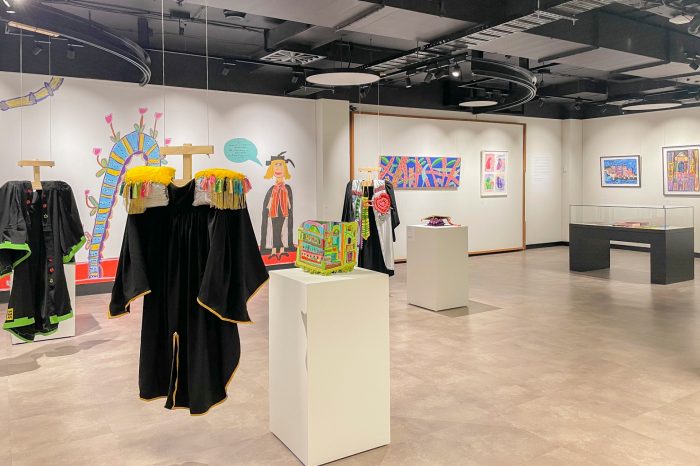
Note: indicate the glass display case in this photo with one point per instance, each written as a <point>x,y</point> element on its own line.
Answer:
<point>631,216</point>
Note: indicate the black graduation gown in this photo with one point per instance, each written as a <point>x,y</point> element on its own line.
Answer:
<point>370,254</point>
<point>39,232</point>
<point>197,267</point>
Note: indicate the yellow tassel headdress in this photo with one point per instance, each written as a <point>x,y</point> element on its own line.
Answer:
<point>145,187</point>
<point>221,188</point>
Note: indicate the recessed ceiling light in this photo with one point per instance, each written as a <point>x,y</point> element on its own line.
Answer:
<point>478,103</point>
<point>348,77</point>
<point>234,15</point>
<point>681,19</point>
<point>662,105</point>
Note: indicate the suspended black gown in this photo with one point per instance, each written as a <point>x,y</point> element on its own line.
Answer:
<point>196,268</point>
<point>370,254</point>
<point>39,232</point>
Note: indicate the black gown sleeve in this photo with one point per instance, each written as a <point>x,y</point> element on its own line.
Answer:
<point>131,280</point>
<point>234,269</point>
<point>71,233</point>
<point>395,222</point>
<point>13,229</point>
<point>348,215</point>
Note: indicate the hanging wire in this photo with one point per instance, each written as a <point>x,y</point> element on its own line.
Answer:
<point>21,93</point>
<point>206,54</point>
<point>162,55</point>
<point>50,110</point>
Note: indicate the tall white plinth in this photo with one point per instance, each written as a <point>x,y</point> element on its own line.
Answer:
<point>437,266</point>
<point>329,363</point>
<point>66,328</point>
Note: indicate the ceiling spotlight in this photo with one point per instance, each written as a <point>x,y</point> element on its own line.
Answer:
<point>364,91</point>
<point>577,105</point>
<point>604,109</point>
<point>456,71</point>
<point>234,15</point>
<point>225,70</point>
<point>408,82</point>
<point>181,28</point>
<point>429,77</point>
<point>37,49</point>
<point>540,102</point>
<point>441,73</point>
<point>70,53</point>
<point>694,64</point>
<point>697,96</point>
<point>683,18</point>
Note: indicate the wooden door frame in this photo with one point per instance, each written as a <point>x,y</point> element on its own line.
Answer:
<point>465,120</point>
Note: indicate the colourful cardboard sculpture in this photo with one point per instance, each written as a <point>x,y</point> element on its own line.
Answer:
<point>327,247</point>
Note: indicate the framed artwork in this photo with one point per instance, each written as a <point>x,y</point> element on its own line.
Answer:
<point>681,170</point>
<point>620,172</point>
<point>417,172</point>
<point>494,173</point>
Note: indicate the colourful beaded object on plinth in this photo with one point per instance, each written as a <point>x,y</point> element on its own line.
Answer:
<point>327,247</point>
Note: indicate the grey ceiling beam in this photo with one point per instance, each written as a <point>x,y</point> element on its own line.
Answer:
<point>473,11</point>
<point>284,32</point>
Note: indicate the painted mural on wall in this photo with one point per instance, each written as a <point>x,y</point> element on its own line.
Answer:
<point>111,169</point>
<point>277,230</point>
<point>681,175</point>
<point>622,171</point>
<point>34,97</point>
<point>494,173</point>
<point>411,172</point>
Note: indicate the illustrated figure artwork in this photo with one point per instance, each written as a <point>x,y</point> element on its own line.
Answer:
<point>620,171</point>
<point>681,170</point>
<point>494,173</point>
<point>32,98</point>
<point>409,172</point>
<point>276,232</point>
<point>112,169</point>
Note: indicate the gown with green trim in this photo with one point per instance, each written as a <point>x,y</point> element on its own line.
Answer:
<point>39,232</point>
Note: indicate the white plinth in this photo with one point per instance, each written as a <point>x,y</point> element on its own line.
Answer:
<point>437,266</point>
<point>66,328</point>
<point>329,363</point>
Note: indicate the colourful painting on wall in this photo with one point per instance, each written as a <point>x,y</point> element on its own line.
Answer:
<point>413,172</point>
<point>620,172</point>
<point>494,173</point>
<point>681,170</point>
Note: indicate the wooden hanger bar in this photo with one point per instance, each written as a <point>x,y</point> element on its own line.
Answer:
<point>187,151</point>
<point>368,171</point>
<point>36,168</point>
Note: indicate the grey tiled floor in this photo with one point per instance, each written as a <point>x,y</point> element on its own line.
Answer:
<point>546,367</point>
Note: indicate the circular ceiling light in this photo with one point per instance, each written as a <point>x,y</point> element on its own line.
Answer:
<point>478,103</point>
<point>642,106</point>
<point>347,77</point>
<point>681,19</point>
<point>235,15</point>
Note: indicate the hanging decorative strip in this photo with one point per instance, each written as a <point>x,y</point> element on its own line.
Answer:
<point>221,189</point>
<point>145,187</point>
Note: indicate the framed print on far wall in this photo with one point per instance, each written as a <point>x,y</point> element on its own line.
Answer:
<point>620,172</point>
<point>681,170</point>
<point>494,173</point>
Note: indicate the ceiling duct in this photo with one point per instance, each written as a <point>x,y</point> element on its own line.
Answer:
<point>461,42</point>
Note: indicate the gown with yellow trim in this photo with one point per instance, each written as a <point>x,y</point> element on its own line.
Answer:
<point>196,267</point>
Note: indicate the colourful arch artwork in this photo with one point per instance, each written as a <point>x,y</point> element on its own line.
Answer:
<point>32,98</point>
<point>136,143</point>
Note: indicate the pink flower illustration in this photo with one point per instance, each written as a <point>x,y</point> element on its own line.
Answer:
<point>158,115</point>
<point>167,141</point>
<point>96,151</point>
<point>142,110</point>
<point>108,119</point>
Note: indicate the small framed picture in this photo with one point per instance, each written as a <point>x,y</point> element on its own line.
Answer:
<point>681,171</point>
<point>620,172</point>
<point>494,173</point>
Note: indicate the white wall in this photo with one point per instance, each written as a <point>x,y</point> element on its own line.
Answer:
<point>645,135</point>
<point>494,222</point>
<point>68,126</point>
<point>543,180</point>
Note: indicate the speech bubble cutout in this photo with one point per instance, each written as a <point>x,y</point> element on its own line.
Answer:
<point>239,150</point>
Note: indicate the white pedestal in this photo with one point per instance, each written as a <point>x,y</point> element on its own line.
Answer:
<point>66,328</point>
<point>329,363</point>
<point>437,266</point>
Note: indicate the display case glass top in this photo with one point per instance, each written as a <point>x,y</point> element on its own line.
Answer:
<point>632,216</point>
